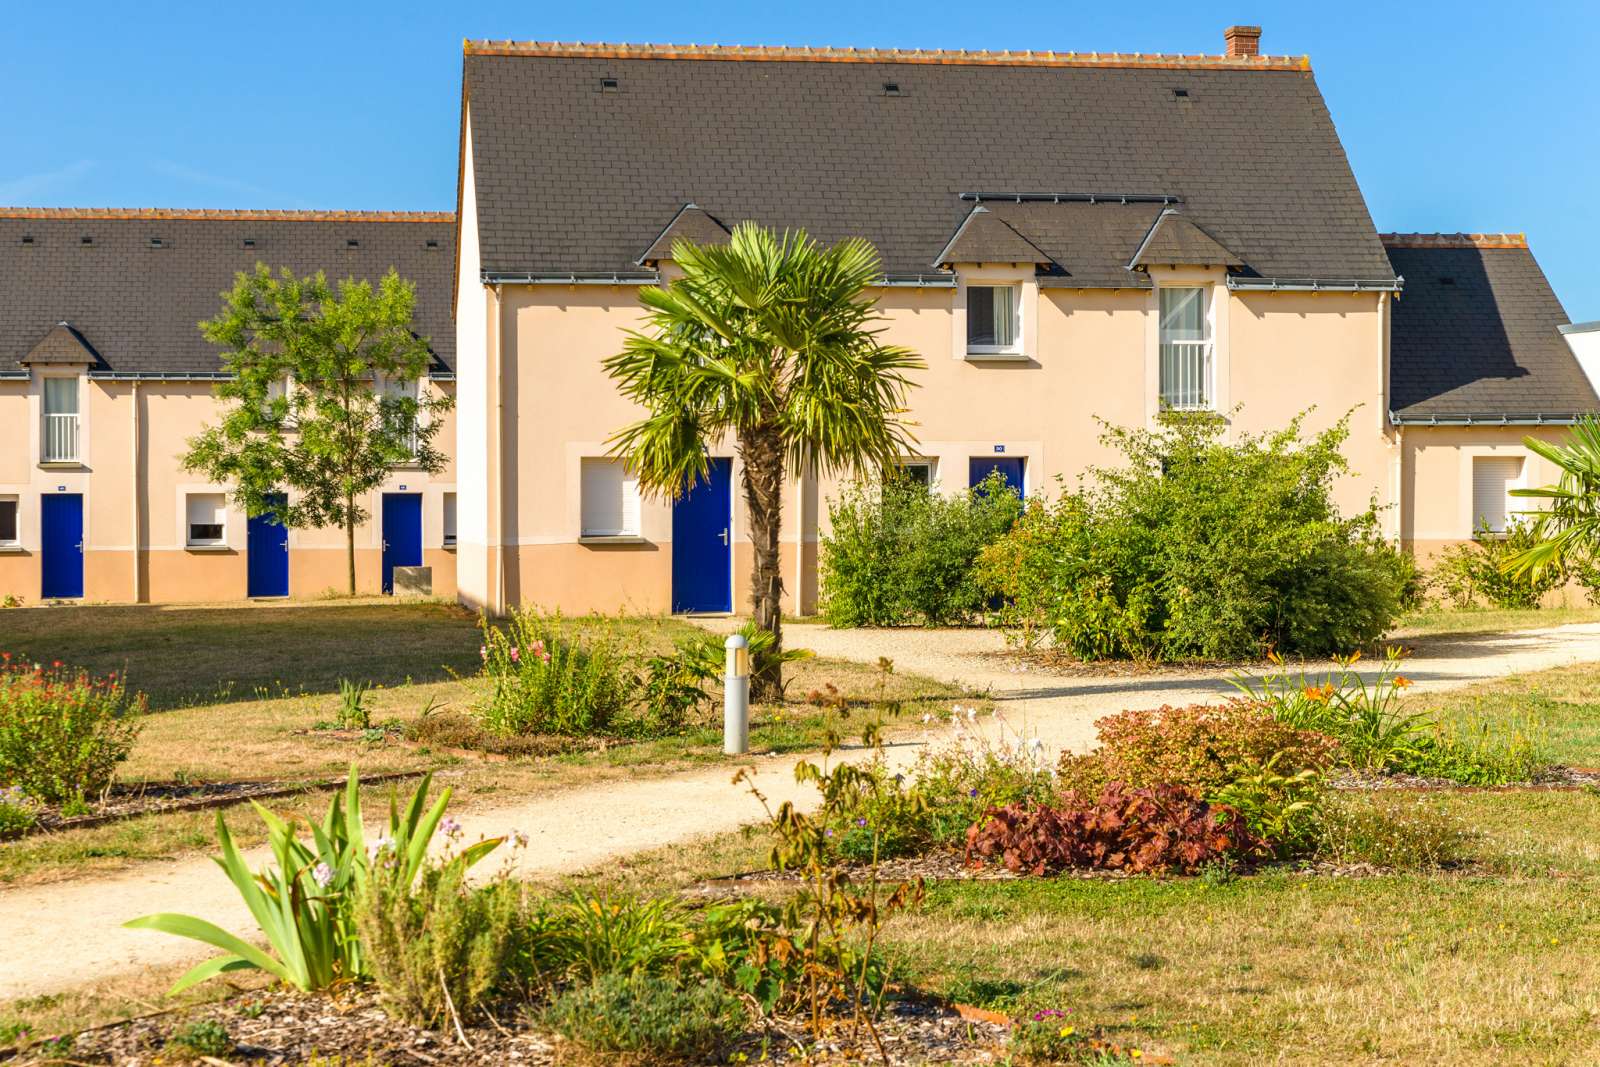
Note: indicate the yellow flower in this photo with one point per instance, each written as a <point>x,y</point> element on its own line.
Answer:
<point>1136,1054</point>
<point>1067,1031</point>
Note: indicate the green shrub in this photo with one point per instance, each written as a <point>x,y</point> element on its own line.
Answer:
<point>451,729</point>
<point>1197,547</point>
<point>745,945</point>
<point>19,812</point>
<point>1406,834</point>
<point>580,937</point>
<point>1482,750</point>
<point>63,732</point>
<point>649,1014</point>
<point>975,770</point>
<point>203,1038</point>
<point>1472,574</point>
<point>545,681</point>
<point>1202,747</point>
<point>900,554</point>
<point>706,655</point>
<point>1283,811</point>
<point>437,947</point>
<point>1048,1037</point>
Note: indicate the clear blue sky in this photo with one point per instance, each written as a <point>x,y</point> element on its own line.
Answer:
<point>1460,116</point>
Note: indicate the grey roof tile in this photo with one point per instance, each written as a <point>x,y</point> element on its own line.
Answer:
<point>1476,331</point>
<point>137,305</point>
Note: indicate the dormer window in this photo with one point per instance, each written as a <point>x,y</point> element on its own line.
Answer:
<point>992,318</point>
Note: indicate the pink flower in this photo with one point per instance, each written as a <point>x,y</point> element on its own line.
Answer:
<point>483,651</point>
<point>515,656</point>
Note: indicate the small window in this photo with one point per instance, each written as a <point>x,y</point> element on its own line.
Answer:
<point>1493,478</point>
<point>449,520</point>
<point>991,318</point>
<point>9,535</point>
<point>609,85</point>
<point>249,242</point>
<point>206,518</point>
<point>61,396</point>
<point>610,499</point>
<point>917,472</point>
<point>59,435</point>
<point>157,242</point>
<point>86,240</point>
<point>1185,349</point>
<point>351,242</point>
<point>27,238</point>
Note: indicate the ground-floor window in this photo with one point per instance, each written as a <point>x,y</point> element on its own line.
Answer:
<point>1493,478</point>
<point>449,520</point>
<point>207,514</point>
<point>917,471</point>
<point>9,525</point>
<point>610,499</point>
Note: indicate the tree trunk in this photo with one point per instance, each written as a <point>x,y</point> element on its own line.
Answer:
<point>762,452</point>
<point>350,539</point>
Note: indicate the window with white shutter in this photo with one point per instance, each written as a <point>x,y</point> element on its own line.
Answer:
<point>610,499</point>
<point>1493,478</point>
<point>206,514</point>
<point>449,520</point>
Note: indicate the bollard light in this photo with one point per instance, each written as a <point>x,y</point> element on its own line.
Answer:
<point>736,697</point>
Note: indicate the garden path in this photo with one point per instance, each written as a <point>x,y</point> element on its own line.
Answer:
<point>56,937</point>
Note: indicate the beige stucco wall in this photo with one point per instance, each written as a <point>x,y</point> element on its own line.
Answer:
<point>134,491</point>
<point>1089,355</point>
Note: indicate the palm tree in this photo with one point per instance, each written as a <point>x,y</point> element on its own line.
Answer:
<point>1568,531</point>
<point>774,341</point>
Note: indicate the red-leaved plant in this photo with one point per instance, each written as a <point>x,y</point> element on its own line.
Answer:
<point>1159,828</point>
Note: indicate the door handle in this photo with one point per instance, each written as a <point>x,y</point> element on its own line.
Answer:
<point>386,546</point>
<point>724,535</point>
<point>79,547</point>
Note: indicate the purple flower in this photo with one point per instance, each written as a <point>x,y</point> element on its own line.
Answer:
<point>322,874</point>
<point>449,827</point>
<point>972,792</point>
<point>861,822</point>
<point>1048,1013</point>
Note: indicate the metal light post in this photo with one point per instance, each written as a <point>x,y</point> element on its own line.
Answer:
<point>736,697</point>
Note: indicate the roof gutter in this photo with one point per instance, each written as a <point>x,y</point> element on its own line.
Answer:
<point>1567,419</point>
<point>1316,285</point>
<point>1074,198</point>
<point>942,280</point>
<point>491,277</point>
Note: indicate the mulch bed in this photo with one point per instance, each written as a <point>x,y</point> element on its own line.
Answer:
<point>1554,779</point>
<point>133,799</point>
<point>285,1028</point>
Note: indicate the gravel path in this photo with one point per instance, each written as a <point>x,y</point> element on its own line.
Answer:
<point>63,936</point>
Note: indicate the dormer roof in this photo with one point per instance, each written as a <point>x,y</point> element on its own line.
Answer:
<point>61,346</point>
<point>692,223</point>
<point>1176,240</point>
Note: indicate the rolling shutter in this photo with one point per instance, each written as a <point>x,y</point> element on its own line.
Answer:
<point>610,499</point>
<point>1492,480</point>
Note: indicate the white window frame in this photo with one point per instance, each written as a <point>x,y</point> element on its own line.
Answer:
<point>1207,347</point>
<point>631,504</point>
<point>930,465</point>
<point>75,433</point>
<point>189,540</point>
<point>405,387</point>
<point>1510,512</point>
<point>448,504</point>
<point>1015,289</point>
<point>15,541</point>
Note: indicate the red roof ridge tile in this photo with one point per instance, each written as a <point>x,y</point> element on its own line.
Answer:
<point>224,215</point>
<point>784,53</point>
<point>1454,240</point>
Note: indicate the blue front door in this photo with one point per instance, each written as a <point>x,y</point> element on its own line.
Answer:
<point>702,553</point>
<point>267,545</point>
<point>1010,469</point>
<point>61,549</point>
<point>402,534</point>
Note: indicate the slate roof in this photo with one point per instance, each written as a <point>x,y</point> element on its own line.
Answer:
<point>573,175</point>
<point>136,305</point>
<point>1476,333</point>
<point>1176,240</point>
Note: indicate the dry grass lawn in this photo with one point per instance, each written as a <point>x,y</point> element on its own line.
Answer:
<point>238,691</point>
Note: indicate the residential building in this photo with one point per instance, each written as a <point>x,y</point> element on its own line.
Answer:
<point>104,378</point>
<point>1070,241</point>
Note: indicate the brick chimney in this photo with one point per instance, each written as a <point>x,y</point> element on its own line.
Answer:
<point>1243,40</point>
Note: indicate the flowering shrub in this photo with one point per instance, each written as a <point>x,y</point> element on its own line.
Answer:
<point>1161,828</point>
<point>1403,834</point>
<point>545,682</point>
<point>62,731</point>
<point>984,764</point>
<point>1200,746</point>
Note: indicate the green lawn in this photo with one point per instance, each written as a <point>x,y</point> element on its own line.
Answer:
<point>1434,621</point>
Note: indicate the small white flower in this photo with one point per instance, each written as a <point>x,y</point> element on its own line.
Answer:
<point>322,874</point>
<point>519,839</point>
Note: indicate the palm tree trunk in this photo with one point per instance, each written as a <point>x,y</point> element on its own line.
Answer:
<point>762,452</point>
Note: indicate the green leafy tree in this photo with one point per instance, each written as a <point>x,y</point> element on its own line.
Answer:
<point>323,399</point>
<point>772,340</point>
<point>1567,533</point>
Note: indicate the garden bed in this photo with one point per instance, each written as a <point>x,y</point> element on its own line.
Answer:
<point>134,799</point>
<point>289,1028</point>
